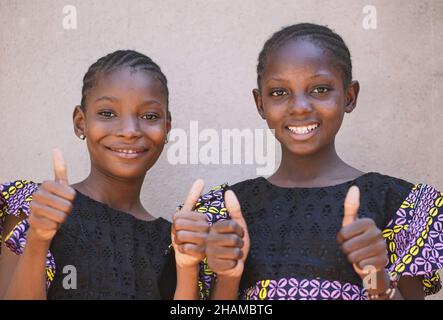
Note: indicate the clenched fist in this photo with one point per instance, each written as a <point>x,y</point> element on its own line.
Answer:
<point>228,242</point>
<point>189,230</point>
<point>52,202</point>
<point>360,239</point>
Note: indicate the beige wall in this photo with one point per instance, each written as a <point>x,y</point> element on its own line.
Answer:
<point>208,50</point>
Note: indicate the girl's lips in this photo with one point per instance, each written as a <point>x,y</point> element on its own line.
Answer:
<point>303,134</point>
<point>128,153</point>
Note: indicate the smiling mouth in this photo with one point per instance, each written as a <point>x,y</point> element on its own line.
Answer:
<point>302,130</point>
<point>128,153</point>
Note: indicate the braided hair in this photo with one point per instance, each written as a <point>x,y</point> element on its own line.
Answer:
<point>118,59</point>
<point>320,35</point>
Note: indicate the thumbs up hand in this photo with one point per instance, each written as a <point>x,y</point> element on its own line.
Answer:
<point>189,230</point>
<point>52,202</point>
<point>228,242</point>
<point>360,239</point>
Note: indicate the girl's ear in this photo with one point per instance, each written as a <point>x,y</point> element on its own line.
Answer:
<point>351,96</point>
<point>78,119</point>
<point>259,102</point>
<point>168,122</point>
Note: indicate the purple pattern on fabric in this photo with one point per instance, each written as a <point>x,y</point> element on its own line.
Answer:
<point>15,198</point>
<point>303,289</point>
<point>405,231</point>
<point>416,233</point>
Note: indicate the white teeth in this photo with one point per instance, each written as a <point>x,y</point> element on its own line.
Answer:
<point>303,130</point>
<point>125,151</point>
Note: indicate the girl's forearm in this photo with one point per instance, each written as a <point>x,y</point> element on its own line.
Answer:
<point>226,288</point>
<point>187,283</point>
<point>28,280</point>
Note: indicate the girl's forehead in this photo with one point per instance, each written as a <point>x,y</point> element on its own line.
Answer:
<point>124,80</point>
<point>127,84</point>
<point>126,77</point>
<point>300,56</point>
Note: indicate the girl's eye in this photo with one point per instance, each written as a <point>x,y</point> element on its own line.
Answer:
<point>150,116</point>
<point>278,93</point>
<point>107,114</point>
<point>320,90</point>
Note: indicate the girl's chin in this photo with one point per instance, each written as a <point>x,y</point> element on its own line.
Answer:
<point>127,172</point>
<point>300,149</point>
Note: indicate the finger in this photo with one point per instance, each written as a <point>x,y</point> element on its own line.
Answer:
<point>227,227</point>
<point>188,225</point>
<point>219,265</point>
<point>189,215</point>
<point>192,249</point>
<point>378,248</point>
<point>60,172</point>
<point>173,231</point>
<point>355,229</point>
<point>190,237</point>
<point>351,205</point>
<point>46,198</point>
<point>233,207</point>
<point>38,221</point>
<point>363,240</point>
<point>378,263</point>
<point>224,240</point>
<point>40,210</point>
<point>61,190</point>
<point>193,195</point>
<point>227,253</point>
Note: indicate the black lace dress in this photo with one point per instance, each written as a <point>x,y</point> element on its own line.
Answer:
<point>294,253</point>
<point>102,253</point>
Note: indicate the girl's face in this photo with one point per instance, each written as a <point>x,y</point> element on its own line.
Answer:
<point>125,123</point>
<point>302,97</point>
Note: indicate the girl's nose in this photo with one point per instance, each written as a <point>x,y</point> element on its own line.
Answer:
<point>129,127</point>
<point>300,104</point>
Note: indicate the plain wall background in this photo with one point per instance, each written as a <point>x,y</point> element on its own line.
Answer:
<point>208,49</point>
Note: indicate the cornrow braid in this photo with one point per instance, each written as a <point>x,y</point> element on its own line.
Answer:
<point>122,58</point>
<point>320,35</point>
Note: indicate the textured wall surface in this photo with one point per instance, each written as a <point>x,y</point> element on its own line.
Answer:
<point>208,50</point>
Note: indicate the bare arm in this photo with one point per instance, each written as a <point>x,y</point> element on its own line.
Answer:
<point>226,288</point>
<point>23,276</point>
<point>187,278</point>
<point>51,205</point>
<point>8,259</point>
<point>28,279</point>
<point>410,288</point>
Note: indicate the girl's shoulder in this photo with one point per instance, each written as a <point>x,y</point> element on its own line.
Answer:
<point>380,180</point>
<point>398,193</point>
<point>384,188</point>
<point>15,197</point>
<point>413,233</point>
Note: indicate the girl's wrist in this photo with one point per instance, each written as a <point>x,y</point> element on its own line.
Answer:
<point>34,241</point>
<point>228,277</point>
<point>188,269</point>
<point>385,288</point>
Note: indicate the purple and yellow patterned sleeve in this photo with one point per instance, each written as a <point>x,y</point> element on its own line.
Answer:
<point>15,199</point>
<point>212,205</point>
<point>414,237</point>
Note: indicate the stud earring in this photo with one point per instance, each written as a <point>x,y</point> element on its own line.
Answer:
<point>82,136</point>
<point>166,140</point>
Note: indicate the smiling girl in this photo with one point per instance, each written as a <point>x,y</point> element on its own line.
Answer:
<point>288,238</point>
<point>97,229</point>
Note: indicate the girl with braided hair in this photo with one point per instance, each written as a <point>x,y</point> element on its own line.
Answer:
<point>304,233</point>
<point>94,239</point>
